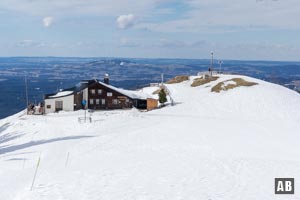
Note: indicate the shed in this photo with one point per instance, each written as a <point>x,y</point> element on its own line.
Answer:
<point>151,103</point>
<point>63,100</point>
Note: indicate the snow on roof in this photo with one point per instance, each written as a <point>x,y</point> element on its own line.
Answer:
<point>82,85</point>
<point>130,93</point>
<point>150,90</point>
<point>61,94</point>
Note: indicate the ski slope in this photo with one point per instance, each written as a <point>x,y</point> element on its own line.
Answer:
<point>228,145</point>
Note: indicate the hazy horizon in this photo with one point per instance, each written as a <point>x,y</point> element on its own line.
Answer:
<point>150,58</point>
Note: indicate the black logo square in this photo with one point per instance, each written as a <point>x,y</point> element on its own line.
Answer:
<point>284,186</point>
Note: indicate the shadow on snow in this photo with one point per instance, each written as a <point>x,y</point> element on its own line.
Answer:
<point>13,148</point>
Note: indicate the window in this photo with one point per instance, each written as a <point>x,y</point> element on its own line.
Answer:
<point>109,94</point>
<point>115,102</point>
<point>91,101</point>
<point>99,91</point>
<point>48,106</point>
<point>103,101</point>
<point>93,91</point>
<point>97,101</point>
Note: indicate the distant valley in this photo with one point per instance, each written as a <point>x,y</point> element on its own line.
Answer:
<point>49,74</point>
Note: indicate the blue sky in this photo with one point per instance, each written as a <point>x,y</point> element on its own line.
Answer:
<point>233,29</point>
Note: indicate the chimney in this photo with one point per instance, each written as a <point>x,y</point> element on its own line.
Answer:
<point>106,79</point>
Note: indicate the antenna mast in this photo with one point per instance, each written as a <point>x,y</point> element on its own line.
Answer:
<point>26,93</point>
<point>220,63</point>
<point>211,62</point>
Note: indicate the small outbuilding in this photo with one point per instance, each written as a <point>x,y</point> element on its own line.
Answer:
<point>152,103</point>
<point>63,100</point>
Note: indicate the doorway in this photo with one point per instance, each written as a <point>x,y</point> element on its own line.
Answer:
<point>58,106</point>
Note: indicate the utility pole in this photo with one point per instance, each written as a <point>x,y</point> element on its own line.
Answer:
<point>162,78</point>
<point>26,93</point>
<point>211,62</point>
<point>220,63</point>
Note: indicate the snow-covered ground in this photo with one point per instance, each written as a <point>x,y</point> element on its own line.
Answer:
<point>228,145</point>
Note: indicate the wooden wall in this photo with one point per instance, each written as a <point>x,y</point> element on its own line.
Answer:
<point>151,104</point>
<point>110,101</point>
<point>78,97</point>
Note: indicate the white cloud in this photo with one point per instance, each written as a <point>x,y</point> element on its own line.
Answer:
<point>126,21</point>
<point>47,21</point>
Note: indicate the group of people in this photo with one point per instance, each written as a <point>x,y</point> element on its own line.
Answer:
<point>33,109</point>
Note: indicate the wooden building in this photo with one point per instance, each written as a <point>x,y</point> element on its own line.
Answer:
<point>151,103</point>
<point>98,96</point>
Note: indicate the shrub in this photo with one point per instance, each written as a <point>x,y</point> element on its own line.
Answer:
<point>202,81</point>
<point>238,82</point>
<point>162,96</point>
<point>178,79</point>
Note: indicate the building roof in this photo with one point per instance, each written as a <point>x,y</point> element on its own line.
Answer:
<point>70,91</point>
<point>129,93</point>
<point>86,83</point>
<point>62,94</point>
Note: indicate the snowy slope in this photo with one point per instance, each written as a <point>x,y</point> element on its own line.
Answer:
<point>228,145</point>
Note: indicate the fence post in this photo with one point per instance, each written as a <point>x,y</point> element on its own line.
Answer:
<point>36,169</point>
<point>67,159</point>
